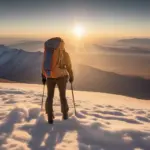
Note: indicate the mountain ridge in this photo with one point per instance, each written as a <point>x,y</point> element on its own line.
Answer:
<point>138,41</point>
<point>25,67</point>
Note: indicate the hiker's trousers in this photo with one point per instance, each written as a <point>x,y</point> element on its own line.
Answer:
<point>61,82</point>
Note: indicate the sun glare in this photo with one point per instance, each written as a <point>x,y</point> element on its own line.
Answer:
<point>78,30</point>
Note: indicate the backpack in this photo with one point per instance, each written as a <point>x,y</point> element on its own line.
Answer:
<point>49,47</point>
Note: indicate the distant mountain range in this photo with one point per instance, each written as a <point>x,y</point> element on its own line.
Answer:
<point>31,46</point>
<point>34,46</point>
<point>136,41</point>
<point>22,66</point>
<point>126,46</point>
<point>122,49</point>
<point>133,46</point>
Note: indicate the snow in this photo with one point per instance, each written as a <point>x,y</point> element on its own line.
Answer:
<point>103,121</point>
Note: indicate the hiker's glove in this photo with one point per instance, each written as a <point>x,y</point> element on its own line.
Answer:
<point>43,79</point>
<point>71,79</point>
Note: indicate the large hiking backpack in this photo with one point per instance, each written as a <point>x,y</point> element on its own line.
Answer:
<point>49,47</point>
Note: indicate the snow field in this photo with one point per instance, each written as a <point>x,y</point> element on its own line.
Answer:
<point>103,121</point>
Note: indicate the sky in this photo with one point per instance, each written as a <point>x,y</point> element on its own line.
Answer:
<point>98,18</point>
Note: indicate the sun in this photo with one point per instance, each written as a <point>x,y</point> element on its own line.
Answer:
<point>78,30</point>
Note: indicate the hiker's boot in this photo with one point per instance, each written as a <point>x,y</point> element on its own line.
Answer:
<point>65,116</point>
<point>50,118</point>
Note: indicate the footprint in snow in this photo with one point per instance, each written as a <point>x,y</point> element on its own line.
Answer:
<point>100,106</point>
<point>115,113</point>
<point>141,118</point>
<point>140,112</point>
<point>10,101</point>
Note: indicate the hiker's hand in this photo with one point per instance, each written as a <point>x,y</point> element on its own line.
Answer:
<point>43,81</point>
<point>71,79</point>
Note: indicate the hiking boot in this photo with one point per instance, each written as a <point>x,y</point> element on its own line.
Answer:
<point>65,116</point>
<point>50,118</point>
<point>50,121</point>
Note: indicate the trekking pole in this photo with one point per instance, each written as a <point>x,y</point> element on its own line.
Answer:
<point>73,100</point>
<point>42,97</point>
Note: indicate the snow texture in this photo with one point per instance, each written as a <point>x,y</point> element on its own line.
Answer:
<point>103,121</point>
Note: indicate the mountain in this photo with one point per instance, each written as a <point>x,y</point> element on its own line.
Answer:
<point>22,66</point>
<point>31,46</point>
<point>126,46</point>
<point>136,41</point>
<point>34,46</point>
<point>92,79</point>
<point>121,49</point>
<point>19,65</point>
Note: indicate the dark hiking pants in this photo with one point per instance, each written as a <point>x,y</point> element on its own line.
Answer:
<point>61,83</point>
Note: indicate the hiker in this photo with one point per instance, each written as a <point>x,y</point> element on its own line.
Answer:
<point>56,70</point>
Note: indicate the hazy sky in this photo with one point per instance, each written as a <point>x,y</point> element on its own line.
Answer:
<point>101,18</point>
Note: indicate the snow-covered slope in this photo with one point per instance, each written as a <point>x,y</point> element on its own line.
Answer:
<point>19,65</point>
<point>103,122</point>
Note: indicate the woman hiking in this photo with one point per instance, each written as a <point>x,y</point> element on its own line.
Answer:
<point>56,70</point>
